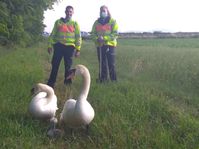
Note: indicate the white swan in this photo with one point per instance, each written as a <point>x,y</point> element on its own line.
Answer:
<point>78,113</point>
<point>44,103</point>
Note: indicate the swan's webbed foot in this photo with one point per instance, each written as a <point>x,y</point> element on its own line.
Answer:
<point>53,123</point>
<point>52,132</point>
<point>69,131</point>
<point>87,129</point>
<point>72,132</point>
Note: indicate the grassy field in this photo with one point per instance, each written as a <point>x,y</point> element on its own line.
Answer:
<point>154,104</point>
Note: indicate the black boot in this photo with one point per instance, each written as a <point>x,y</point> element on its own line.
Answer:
<point>67,81</point>
<point>51,84</point>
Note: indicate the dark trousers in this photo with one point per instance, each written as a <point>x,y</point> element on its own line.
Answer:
<point>106,58</point>
<point>60,51</point>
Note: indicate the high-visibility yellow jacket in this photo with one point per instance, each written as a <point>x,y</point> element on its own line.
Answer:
<point>109,31</point>
<point>67,33</point>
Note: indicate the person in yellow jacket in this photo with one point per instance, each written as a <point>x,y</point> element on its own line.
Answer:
<point>65,42</point>
<point>104,33</point>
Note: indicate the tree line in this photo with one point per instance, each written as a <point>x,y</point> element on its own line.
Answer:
<point>21,21</point>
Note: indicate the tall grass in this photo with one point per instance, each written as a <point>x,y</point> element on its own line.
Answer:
<point>154,104</point>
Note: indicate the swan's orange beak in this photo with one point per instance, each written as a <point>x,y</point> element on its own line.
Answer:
<point>71,74</point>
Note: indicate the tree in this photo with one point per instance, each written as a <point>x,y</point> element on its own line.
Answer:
<point>21,21</point>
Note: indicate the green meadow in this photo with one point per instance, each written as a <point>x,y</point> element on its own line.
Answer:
<point>154,104</point>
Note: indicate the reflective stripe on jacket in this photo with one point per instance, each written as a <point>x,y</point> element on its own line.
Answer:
<point>109,31</point>
<point>67,33</point>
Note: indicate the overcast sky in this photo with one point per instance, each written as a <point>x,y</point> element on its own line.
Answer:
<point>132,15</point>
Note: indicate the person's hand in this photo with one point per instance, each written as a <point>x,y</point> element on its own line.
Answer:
<point>77,53</point>
<point>100,39</point>
<point>50,50</point>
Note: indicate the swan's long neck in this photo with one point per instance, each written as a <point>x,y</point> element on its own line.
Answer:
<point>86,84</point>
<point>50,93</point>
<point>48,90</point>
